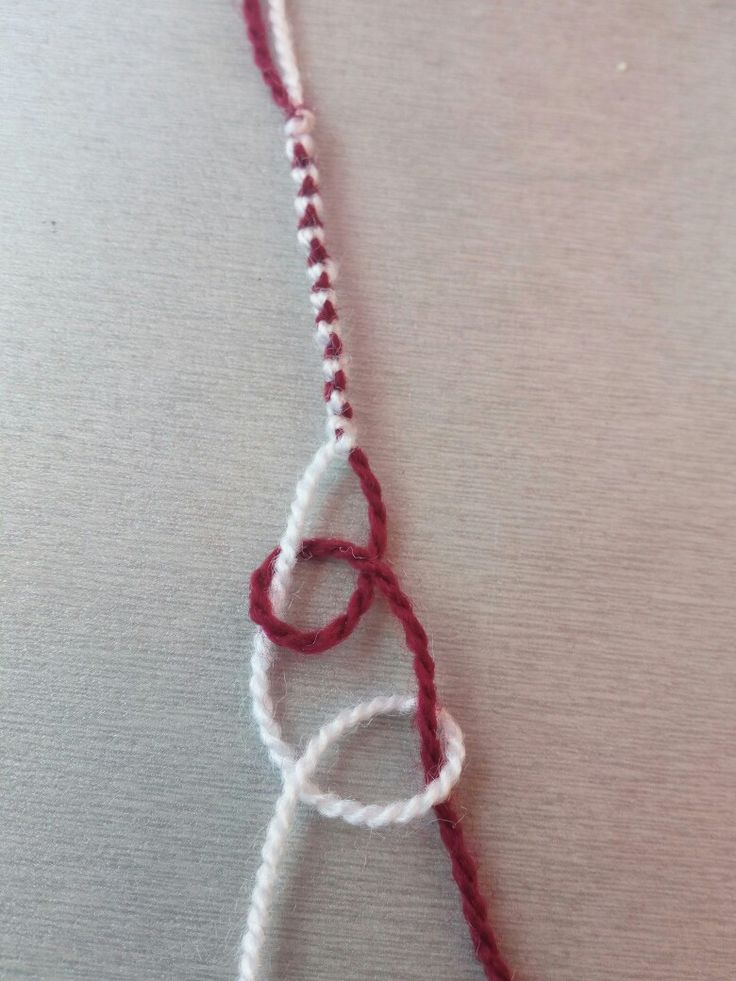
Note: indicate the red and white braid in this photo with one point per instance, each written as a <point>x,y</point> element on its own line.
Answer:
<point>441,740</point>
<point>321,270</point>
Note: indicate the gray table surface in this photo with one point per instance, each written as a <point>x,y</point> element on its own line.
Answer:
<point>537,253</point>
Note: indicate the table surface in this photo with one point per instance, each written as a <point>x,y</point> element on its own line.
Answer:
<point>533,208</point>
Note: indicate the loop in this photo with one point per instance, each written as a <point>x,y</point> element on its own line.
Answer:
<point>365,559</point>
<point>380,815</point>
<point>297,786</point>
<point>321,639</point>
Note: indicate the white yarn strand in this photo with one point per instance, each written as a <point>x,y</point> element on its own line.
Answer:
<point>283,43</point>
<point>297,771</point>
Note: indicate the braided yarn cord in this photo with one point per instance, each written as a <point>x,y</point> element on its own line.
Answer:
<point>441,742</point>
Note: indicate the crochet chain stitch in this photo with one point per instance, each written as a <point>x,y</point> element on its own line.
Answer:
<point>441,742</point>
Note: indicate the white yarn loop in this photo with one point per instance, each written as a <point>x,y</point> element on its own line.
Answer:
<point>297,771</point>
<point>380,815</point>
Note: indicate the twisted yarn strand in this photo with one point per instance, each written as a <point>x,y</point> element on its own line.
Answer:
<point>284,45</point>
<point>441,743</point>
<point>262,53</point>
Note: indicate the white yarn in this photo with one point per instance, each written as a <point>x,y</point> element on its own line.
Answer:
<point>297,786</point>
<point>263,650</point>
<point>284,46</point>
<point>380,815</point>
<point>297,772</point>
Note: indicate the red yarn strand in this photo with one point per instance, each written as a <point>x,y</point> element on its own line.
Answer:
<point>258,37</point>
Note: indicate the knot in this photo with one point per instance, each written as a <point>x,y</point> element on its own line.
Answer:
<point>440,739</point>
<point>373,573</point>
<point>366,560</point>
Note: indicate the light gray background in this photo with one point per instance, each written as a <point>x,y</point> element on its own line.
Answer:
<point>537,256</point>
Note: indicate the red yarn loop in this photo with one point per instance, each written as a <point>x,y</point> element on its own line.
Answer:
<point>365,559</point>
<point>322,639</point>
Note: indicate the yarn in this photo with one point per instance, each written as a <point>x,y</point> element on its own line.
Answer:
<point>297,786</point>
<point>262,54</point>
<point>441,742</point>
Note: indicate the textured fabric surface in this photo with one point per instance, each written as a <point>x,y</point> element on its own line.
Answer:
<point>537,253</point>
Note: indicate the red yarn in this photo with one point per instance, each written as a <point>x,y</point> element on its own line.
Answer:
<point>374,573</point>
<point>262,54</point>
